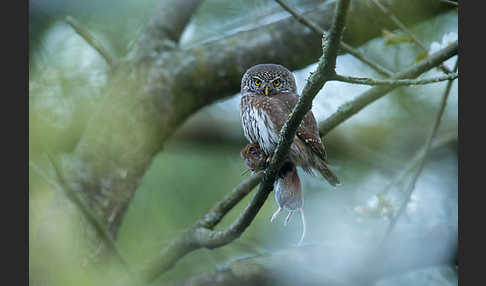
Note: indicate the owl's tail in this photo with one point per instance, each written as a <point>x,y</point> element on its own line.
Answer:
<point>329,175</point>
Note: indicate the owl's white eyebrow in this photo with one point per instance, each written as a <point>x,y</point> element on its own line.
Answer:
<point>255,77</point>
<point>276,78</point>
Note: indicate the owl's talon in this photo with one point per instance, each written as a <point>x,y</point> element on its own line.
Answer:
<point>274,216</point>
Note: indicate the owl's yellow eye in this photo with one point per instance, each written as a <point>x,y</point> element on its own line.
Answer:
<point>257,82</point>
<point>276,83</point>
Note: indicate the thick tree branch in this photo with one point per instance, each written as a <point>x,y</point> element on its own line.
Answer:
<point>88,215</point>
<point>394,82</point>
<point>354,106</point>
<point>347,48</point>
<point>165,27</point>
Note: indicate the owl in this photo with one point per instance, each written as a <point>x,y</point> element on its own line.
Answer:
<point>268,96</point>
<point>288,189</point>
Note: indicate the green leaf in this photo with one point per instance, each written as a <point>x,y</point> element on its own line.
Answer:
<point>392,38</point>
<point>421,56</point>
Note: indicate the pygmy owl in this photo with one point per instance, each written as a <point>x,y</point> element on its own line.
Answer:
<point>288,189</point>
<point>268,96</point>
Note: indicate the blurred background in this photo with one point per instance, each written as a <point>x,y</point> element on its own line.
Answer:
<point>200,163</point>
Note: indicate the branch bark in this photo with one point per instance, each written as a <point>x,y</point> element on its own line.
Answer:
<point>153,90</point>
<point>347,48</point>
<point>394,82</point>
<point>165,27</point>
<point>354,106</point>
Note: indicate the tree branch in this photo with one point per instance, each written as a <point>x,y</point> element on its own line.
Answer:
<point>203,237</point>
<point>88,215</point>
<point>402,27</point>
<point>394,82</point>
<point>149,96</point>
<point>91,40</point>
<point>354,106</point>
<point>347,48</point>
<point>421,165</point>
<point>200,234</point>
<point>455,4</point>
<point>413,163</point>
<point>324,71</point>
<point>165,27</point>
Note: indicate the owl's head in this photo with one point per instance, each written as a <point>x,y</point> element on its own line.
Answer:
<point>268,80</point>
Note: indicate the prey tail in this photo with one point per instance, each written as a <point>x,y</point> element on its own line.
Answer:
<point>302,217</point>
<point>329,175</point>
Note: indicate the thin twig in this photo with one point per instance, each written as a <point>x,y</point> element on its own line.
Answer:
<point>90,39</point>
<point>450,2</point>
<point>412,164</point>
<point>354,106</point>
<point>402,27</point>
<point>417,173</point>
<point>347,48</point>
<point>395,82</point>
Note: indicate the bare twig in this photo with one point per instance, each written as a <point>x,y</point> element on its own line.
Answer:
<point>91,40</point>
<point>347,48</point>
<point>402,27</point>
<point>413,163</point>
<point>394,82</point>
<point>354,106</point>
<point>421,165</point>
<point>453,3</point>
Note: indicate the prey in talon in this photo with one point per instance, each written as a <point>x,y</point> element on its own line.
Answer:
<point>288,189</point>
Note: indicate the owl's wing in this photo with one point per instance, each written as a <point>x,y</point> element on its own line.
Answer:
<point>308,131</point>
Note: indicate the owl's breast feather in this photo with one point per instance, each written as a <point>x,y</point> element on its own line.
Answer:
<point>257,125</point>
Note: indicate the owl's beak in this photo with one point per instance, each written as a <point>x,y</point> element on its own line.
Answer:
<point>266,90</point>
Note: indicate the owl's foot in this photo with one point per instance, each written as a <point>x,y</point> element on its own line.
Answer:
<point>274,216</point>
<point>287,219</point>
